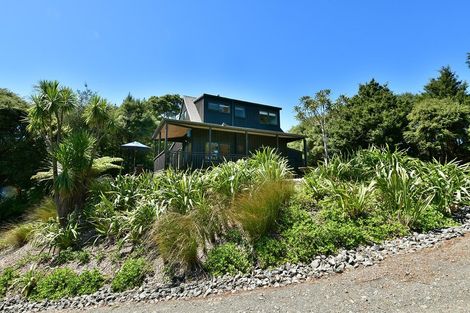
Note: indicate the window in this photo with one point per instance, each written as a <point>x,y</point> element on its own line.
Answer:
<point>218,150</point>
<point>223,108</point>
<point>213,106</point>
<point>272,118</point>
<point>214,146</point>
<point>239,112</point>
<point>267,118</point>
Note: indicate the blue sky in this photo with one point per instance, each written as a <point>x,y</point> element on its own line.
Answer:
<point>272,52</point>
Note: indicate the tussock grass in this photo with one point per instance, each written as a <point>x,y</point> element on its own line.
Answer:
<point>178,239</point>
<point>17,235</point>
<point>256,212</point>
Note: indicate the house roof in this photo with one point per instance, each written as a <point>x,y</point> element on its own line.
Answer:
<point>231,99</point>
<point>191,109</point>
<point>178,129</point>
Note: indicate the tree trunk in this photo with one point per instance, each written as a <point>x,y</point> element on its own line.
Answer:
<point>325,143</point>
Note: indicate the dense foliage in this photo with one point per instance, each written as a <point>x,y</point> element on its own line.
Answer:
<point>434,124</point>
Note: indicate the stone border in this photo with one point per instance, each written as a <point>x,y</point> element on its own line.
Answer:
<point>284,275</point>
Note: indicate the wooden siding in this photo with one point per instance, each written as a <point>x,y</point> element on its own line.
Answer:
<point>251,119</point>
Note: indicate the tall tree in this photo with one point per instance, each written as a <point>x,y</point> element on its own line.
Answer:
<point>468,59</point>
<point>314,112</point>
<point>446,85</point>
<point>72,151</point>
<point>165,106</point>
<point>374,116</point>
<point>138,118</point>
<point>439,128</point>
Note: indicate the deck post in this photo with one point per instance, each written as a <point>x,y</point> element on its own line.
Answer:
<point>246,143</point>
<point>210,144</point>
<point>159,142</point>
<point>305,152</point>
<point>166,145</point>
<point>277,143</point>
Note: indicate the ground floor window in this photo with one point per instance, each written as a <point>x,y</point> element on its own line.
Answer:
<point>217,149</point>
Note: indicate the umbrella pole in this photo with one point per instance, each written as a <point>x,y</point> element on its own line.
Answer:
<point>134,161</point>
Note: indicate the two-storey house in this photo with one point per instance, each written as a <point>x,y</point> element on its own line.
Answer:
<point>211,129</point>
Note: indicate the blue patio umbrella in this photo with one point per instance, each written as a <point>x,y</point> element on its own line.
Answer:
<point>135,146</point>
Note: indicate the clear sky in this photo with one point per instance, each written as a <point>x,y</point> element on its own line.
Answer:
<point>271,52</point>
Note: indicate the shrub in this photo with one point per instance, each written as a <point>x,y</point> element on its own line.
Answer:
<point>305,241</point>
<point>449,182</point>
<point>258,211</point>
<point>64,282</point>
<point>268,165</point>
<point>28,282</point>
<point>403,192</point>
<point>51,234</point>
<point>90,282</point>
<point>131,275</point>
<point>230,178</point>
<point>354,200</point>
<point>227,259</point>
<point>6,280</point>
<point>181,191</point>
<point>70,255</point>
<point>431,219</point>
<point>270,251</point>
<point>234,235</point>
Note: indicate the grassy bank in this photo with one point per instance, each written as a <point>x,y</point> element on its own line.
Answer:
<point>231,218</point>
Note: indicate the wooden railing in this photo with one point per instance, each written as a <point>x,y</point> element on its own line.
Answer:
<point>183,160</point>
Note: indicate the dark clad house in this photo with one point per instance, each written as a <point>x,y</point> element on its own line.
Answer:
<point>211,129</point>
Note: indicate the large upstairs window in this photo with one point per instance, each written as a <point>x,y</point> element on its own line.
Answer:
<point>267,118</point>
<point>218,107</point>
<point>240,112</point>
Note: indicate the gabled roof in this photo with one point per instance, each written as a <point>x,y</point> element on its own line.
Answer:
<point>191,109</point>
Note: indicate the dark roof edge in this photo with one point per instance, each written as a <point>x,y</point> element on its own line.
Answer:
<point>233,99</point>
<point>224,127</point>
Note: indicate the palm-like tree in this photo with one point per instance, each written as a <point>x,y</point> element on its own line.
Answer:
<point>72,153</point>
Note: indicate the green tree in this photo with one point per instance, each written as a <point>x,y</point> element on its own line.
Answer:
<point>446,85</point>
<point>51,103</point>
<point>140,118</point>
<point>439,128</point>
<point>314,113</point>
<point>468,59</point>
<point>374,116</point>
<point>72,152</point>
<point>20,151</point>
<point>21,155</point>
<point>139,121</point>
<point>165,106</point>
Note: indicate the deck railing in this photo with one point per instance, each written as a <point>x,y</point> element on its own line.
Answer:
<point>183,160</point>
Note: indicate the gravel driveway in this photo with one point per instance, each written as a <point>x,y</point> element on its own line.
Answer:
<point>432,280</point>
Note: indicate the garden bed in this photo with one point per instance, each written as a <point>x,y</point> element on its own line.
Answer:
<point>322,265</point>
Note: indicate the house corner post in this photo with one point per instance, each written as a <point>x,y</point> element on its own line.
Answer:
<point>305,152</point>
<point>246,143</point>
<point>159,142</point>
<point>166,146</point>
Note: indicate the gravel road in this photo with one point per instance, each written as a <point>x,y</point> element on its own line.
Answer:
<point>431,280</point>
